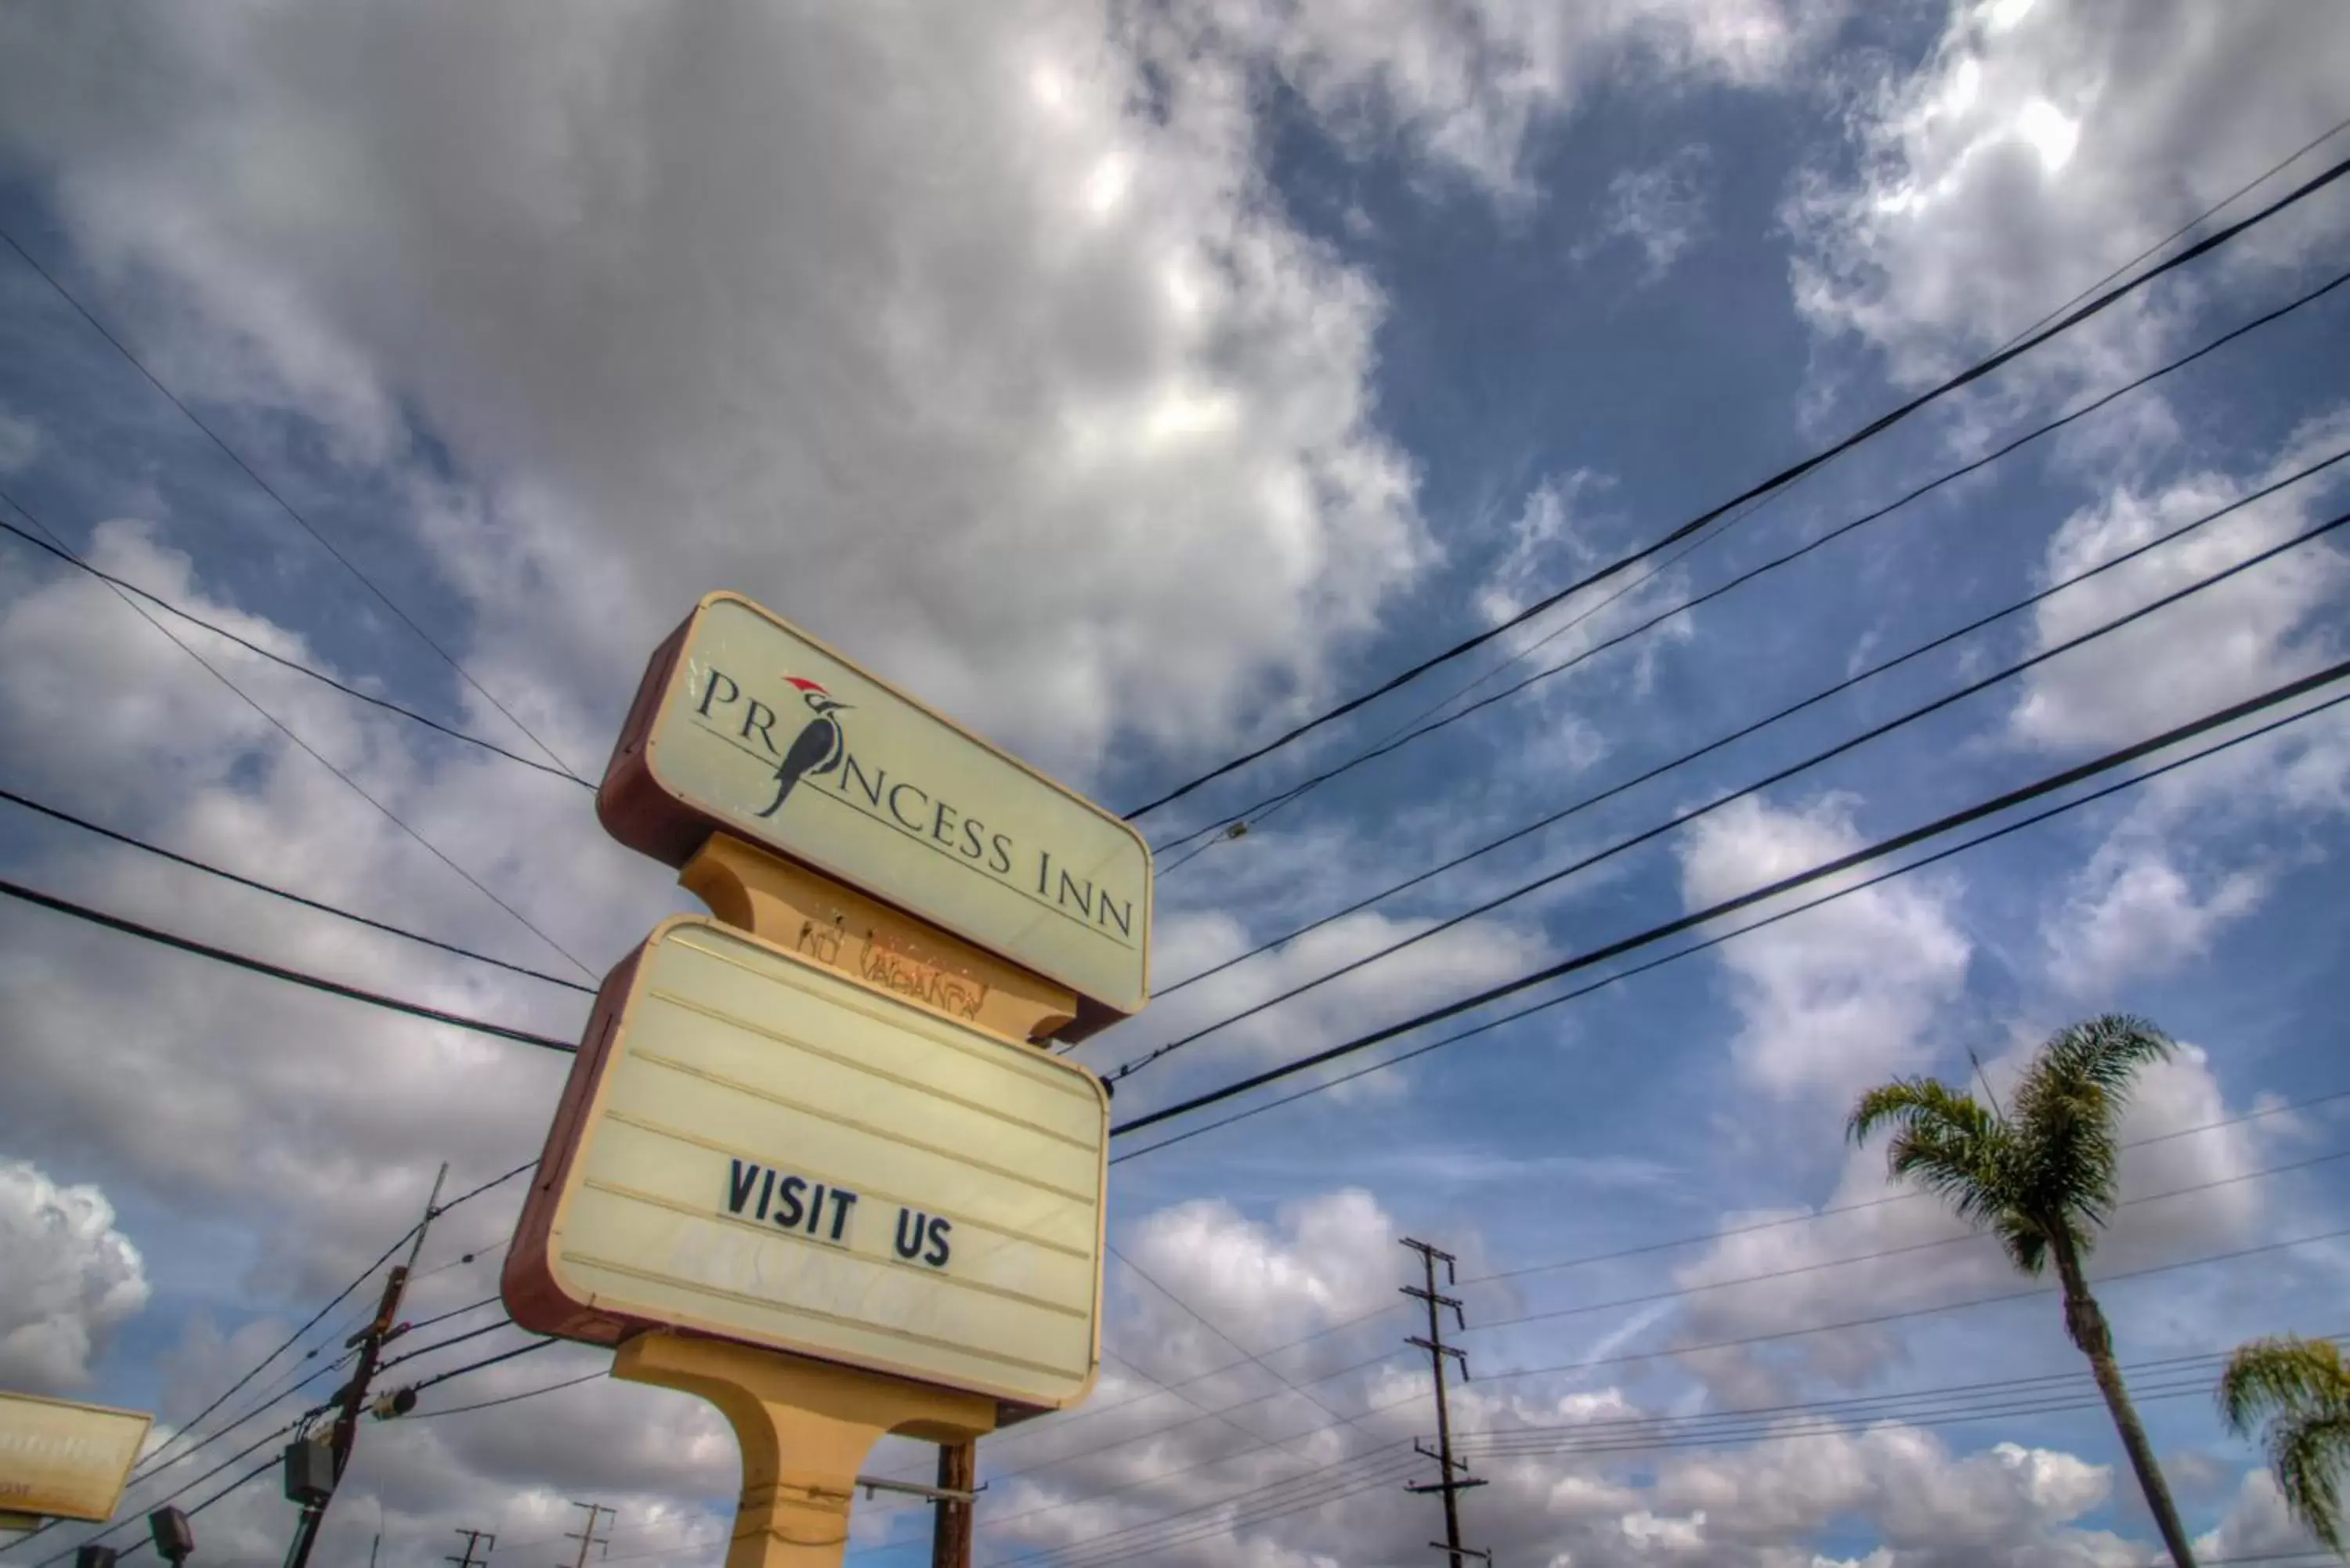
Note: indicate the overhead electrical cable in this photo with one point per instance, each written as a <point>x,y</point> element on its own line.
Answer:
<point>279,971</point>
<point>596,1376</point>
<point>1405,738</point>
<point>453,1312</point>
<point>1283,800</point>
<point>1872,1320</point>
<point>1095,1411</point>
<point>1717,940</point>
<point>1960,1404</point>
<point>1966,377</point>
<point>1339,1421</point>
<point>155,1459</point>
<point>283,505</point>
<point>29,804</point>
<point>315,756</point>
<point>1912,1195</point>
<point>1768,1276</point>
<point>1857,678</point>
<point>2276,696</point>
<point>1681,819</point>
<point>187,1486</point>
<point>70,559</point>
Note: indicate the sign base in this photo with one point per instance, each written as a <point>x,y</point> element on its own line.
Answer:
<point>804,1428</point>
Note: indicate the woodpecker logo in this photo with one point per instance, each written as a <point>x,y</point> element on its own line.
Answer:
<point>817,750</point>
<point>879,788</point>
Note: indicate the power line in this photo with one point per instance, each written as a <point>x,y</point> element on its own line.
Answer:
<point>1398,742</point>
<point>424,1350</point>
<point>315,756</point>
<point>284,505</point>
<point>1912,1196</point>
<point>512,1399</point>
<point>1856,678</point>
<point>1654,1298</point>
<point>1883,847</point>
<point>1340,1422</point>
<point>1196,1315</point>
<point>278,972</point>
<point>495,1182</point>
<point>1714,941</point>
<point>1874,1319</point>
<point>225,875</point>
<point>267,1438</point>
<point>1917,1407</point>
<point>239,1484</point>
<point>1718,801</point>
<point>1884,421</point>
<point>155,1459</point>
<point>70,559</point>
<point>1281,803</point>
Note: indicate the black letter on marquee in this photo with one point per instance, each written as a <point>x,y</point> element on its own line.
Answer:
<point>1110,911</point>
<point>787,1206</point>
<point>909,1245</point>
<point>843,1201</point>
<point>872,786</point>
<point>937,1256</point>
<point>758,717</point>
<point>815,1208</point>
<point>913,821</point>
<point>738,1191</point>
<point>716,676</point>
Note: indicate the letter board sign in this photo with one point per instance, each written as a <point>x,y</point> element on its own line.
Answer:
<point>754,1148</point>
<point>63,1460</point>
<point>745,724</point>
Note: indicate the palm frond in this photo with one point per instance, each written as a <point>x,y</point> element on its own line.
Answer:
<point>2282,1375</point>
<point>2301,1388</point>
<point>1945,1141</point>
<point>2307,1456</point>
<point>1909,1102</point>
<point>2065,1107</point>
<point>2104,1053</point>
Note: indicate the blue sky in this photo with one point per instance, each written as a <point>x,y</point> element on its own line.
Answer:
<point>1135,384</point>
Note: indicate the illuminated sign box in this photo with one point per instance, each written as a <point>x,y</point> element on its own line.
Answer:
<point>744,724</point>
<point>64,1460</point>
<point>753,1147</point>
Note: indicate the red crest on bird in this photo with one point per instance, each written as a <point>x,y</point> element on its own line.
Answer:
<point>805,685</point>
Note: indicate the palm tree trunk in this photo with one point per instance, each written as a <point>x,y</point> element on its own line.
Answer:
<point>2084,1323</point>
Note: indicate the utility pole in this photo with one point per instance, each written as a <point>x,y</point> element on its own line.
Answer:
<point>1452,1478</point>
<point>370,1342</point>
<point>474,1539</point>
<point>950,1527</point>
<point>588,1537</point>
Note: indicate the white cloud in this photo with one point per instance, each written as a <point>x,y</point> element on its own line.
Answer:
<point>2153,894</point>
<point>999,380</point>
<point>1658,210</point>
<point>1841,995</point>
<point>1469,87</point>
<point>20,441</point>
<point>71,1279</point>
<point>1912,1254</point>
<point>2225,643</point>
<point>2039,146</point>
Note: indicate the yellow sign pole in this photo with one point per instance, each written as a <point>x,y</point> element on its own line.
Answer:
<point>805,1427</point>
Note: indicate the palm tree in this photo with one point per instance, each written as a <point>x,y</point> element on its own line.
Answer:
<point>2040,1175</point>
<point>2301,1387</point>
